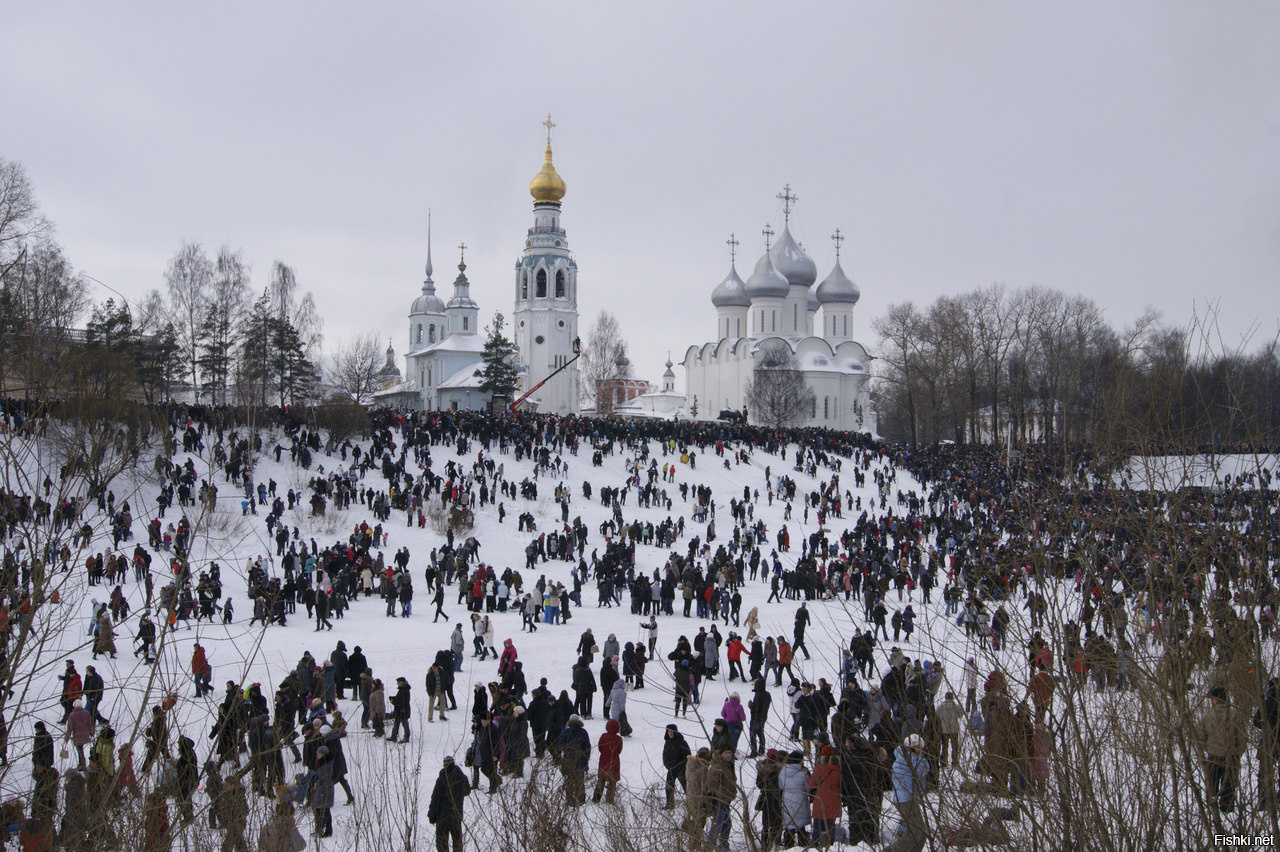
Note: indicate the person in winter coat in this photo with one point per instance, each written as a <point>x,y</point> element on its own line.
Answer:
<point>734,654</point>
<point>280,833</point>
<point>322,792</point>
<point>618,707</point>
<point>435,692</point>
<point>515,741</point>
<point>909,771</point>
<point>507,658</point>
<point>232,812</point>
<point>610,648</point>
<point>445,810</point>
<point>574,747</point>
<point>950,716</point>
<point>695,802</point>
<point>769,802</point>
<point>824,784</point>
<point>721,788</point>
<point>759,707</point>
<point>400,708</point>
<point>79,731</point>
<point>734,716</point>
<point>1222,736</point>
<point>793,781</point>
<point>609,769</point>
<point>105,642</point>
<point>378,708</point>
<point>675,754</point>
<point>864,777</point>
<point>484,759</point>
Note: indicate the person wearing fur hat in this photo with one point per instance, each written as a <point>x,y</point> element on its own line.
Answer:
<point>574,747</point>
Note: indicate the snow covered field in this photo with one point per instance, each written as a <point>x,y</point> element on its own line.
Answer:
<point>398,647</point>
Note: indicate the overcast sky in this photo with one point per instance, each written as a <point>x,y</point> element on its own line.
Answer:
<point>1129,151</point>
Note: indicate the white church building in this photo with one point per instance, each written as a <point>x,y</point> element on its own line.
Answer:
<point>779,306</point>
<point>446,341</point>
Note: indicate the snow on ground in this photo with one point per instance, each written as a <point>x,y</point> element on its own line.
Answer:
<point>403,647</point>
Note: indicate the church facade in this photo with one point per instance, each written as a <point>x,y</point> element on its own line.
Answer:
<point>446,342</point>
<point>778,306</point>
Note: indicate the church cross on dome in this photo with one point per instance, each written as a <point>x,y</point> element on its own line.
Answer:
<point>548,124</point>
<point>837,238</point>
<point>733,244</point>
<point>462,255</point>
<point>787,197</point>
<point>768,235</point>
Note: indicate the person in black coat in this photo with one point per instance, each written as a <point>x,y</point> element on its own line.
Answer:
<point>584,688</point>
<point>445,810</point>
<point>340,669</point>
<point>575,754</point>
<point>864,778</point>
<point>560,712</point>
<point>675,752</point>
<point>514,735</point>
<point>485,759</point>
<point>400,710</point>
<point>356,664</point>
<point>758,708</point>
<point>42,749</point>
<point>538,715</point>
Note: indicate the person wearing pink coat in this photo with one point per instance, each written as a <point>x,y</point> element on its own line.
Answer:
<point>79,730</point>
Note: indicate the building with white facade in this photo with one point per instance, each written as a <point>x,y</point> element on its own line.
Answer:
<point>545,321</point>
<point>779,306</point>
<point>445,340</point>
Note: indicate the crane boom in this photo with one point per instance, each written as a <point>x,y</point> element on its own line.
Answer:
<point>577,353</point>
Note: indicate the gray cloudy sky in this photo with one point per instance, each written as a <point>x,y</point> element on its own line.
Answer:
<point>1126,151</point>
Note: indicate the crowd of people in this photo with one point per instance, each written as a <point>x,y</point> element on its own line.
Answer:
<point>826,752</point>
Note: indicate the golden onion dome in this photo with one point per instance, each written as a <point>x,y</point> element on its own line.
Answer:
<point>547,187</point>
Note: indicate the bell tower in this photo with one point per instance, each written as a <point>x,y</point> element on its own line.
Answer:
<point>545,319</point>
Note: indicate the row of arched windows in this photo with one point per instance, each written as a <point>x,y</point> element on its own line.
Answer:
<point>431,334</point>
<point>540,285</point>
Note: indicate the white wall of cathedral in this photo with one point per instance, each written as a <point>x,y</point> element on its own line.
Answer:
<point>837,323</point>
<point>732,323</point>
<point>795,311</point>
<point>765,319</point>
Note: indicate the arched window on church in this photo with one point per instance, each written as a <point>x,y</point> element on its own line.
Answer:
<point>541,291</point>
<point>419,340</point>
<point>431,334</point>
<point>739,334</point>
<point>560,284</point>
<point>524,285</point>
<point>826,408</point>
<point>846,325</point>
<point>428,377</point>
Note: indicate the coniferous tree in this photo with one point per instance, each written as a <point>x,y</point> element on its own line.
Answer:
<point>499,370</point>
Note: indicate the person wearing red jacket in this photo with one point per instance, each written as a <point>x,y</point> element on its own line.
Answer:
<point>201,670</point>
<point>824,782</point>
<point>72,688</point>
<point>609,770</point>
<point>734,654</point>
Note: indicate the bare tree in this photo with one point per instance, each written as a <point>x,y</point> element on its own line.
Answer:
<point>777,393</point>
<point>189,278</point>
<point>599,362</point>
<point>356,364</point>
<point>21,225</point>
<point>228,296</point>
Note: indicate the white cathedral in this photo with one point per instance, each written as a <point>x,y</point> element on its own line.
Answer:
<point>446,342</point>
<point>778,306</point>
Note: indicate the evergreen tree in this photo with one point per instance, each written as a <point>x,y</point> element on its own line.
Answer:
<point>499,370</point>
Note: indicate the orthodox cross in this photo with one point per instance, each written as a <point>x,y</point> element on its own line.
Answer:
<point>768,235</point>
<point>837,238</point>
<point>787,197</point>
<point>733,244</point>
<point>548,124</point>
<point>462,252</point>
